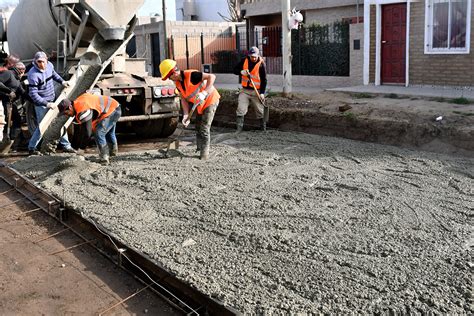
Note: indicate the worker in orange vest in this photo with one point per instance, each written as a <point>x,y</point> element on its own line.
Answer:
<point>100,115</point>
<point>197,90</point>
<point>252,69</point>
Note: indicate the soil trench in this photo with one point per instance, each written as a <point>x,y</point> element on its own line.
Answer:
<point>279,222</point>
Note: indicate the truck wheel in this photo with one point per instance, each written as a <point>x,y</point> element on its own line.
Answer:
<point>148,129</point>
<point>169,126</point>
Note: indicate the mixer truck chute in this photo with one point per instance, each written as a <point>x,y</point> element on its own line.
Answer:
<point>87,41</point>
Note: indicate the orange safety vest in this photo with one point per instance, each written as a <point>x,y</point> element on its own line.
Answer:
<point>254,74</point>
<point>102,104</point>
<point>190,91</point>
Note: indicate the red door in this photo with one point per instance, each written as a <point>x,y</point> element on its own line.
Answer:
<point>394,43</point>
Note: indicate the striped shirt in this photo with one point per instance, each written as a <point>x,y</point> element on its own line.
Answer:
<point>40,83</point>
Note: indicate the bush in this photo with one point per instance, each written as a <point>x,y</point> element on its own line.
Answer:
<point>224,61</point>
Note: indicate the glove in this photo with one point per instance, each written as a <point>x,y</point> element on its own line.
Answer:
<point>185,120</point>
<point>12,95</point>
<point>202,95</point>
<point>65,84</point>
<point>262,96</point>
<point>244,72</point>
<point>51,105</point>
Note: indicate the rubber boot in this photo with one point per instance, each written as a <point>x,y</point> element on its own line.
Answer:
<point>104,154</point>
<point>240,123</point>
<point>198,142</point>
<point>113,149</point>
<point>204,153</point>
<point>263,124</point>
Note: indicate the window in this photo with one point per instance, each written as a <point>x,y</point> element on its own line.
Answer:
<point>448,24</point>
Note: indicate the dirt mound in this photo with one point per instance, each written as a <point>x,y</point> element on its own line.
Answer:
<point>401,121</point>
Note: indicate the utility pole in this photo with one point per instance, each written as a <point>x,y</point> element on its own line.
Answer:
<point>164,29</point>
<point>286,47</point>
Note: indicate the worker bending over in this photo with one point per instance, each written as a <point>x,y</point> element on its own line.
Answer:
<point>197,90</point>
<point>252,69</point>
<point>100,115</point>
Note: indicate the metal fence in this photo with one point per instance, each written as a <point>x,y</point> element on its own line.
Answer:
<point>193,51</point>
<point>317,50</point>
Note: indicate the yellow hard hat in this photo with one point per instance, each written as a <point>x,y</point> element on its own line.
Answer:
<point>166,68</point>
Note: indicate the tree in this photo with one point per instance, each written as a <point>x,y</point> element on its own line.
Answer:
<point>234,11</point>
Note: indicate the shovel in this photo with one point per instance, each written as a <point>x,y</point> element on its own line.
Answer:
<point>266,109</point>
<point>174,142</point>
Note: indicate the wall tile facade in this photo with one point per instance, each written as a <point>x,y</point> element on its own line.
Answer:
<point>442,69</point>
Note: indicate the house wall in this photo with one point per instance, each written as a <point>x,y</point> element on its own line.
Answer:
<point>356,56</point>
<point>440,70</point>
<point>178,28</point>
<point>264,7</point>
<point>373,27</point>
<point>330,15</point>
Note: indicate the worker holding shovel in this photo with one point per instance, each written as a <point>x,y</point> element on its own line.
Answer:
<point>254,82</point>
<point>199,95</point>
<point>98,114</point>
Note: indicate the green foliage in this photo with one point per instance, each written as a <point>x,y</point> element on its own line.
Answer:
<point>461,100</point>
<point>350,116</point>
<point>224,61</point>
<point>363,95</point>
<point>463,113</point>
<point>273,94</point>
<point>321,50</point>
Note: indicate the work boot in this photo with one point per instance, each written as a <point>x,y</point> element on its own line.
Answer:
<point>239,123</point>
<point>263,124</point>
<point>113,149</point>
<point>104,154</point>
<point>204,153</point>
<point>198,142</point>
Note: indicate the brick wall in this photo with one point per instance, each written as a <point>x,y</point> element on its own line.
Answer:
<point>326,16</point>
<point>356,56</point>
<point>440,70</point>
<point>373,22</point>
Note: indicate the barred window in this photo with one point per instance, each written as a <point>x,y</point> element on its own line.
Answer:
<point>447,26</point>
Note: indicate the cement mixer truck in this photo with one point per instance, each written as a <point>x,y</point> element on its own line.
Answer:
<point>86,40</point>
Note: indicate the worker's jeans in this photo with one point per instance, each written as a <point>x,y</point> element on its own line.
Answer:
<point>203,126</point>
<point>36,138</point>
<point>246,97</point>
<point>105,129</point>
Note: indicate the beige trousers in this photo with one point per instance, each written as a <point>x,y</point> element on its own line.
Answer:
<point>247,96</point>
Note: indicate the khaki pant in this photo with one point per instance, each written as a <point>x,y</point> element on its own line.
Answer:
<point>247,96</point>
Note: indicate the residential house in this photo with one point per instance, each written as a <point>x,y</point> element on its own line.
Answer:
<point>419,42</point>
<point>261,14</point>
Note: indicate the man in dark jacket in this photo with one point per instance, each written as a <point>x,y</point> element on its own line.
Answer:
<point>10,88</point>
<point>252,69</point>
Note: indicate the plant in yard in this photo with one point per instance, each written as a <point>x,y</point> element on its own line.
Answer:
<point>461,100</point>
<point>363,95</point>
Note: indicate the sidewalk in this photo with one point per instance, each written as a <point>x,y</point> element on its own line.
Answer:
<point>433,92</point>
<point>450,93</point>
